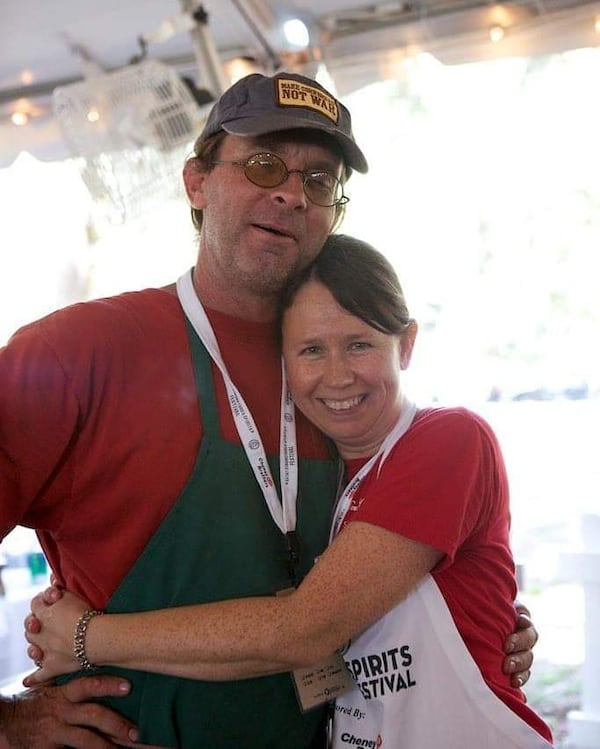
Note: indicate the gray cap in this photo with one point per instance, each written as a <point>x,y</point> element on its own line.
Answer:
<point>258,104</point>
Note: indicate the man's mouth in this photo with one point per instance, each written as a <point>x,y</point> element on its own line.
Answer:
<point>277,231</point>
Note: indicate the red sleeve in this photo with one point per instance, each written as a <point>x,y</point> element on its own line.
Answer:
<point>38,417</point>
<point>443,479</point>
<point>95,426</point>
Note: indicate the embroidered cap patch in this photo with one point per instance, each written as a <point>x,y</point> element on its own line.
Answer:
<point>291,93</point>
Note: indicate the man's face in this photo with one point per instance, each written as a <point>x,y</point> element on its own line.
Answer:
<point>253,239</point>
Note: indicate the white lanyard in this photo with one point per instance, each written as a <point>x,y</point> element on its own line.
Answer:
<point>284,512</point>
<point>407,414</point>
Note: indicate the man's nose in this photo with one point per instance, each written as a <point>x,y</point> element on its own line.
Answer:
<point>291,190</point>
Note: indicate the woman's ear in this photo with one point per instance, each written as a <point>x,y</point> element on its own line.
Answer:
<point>193,179</point>
<point>407,342</point>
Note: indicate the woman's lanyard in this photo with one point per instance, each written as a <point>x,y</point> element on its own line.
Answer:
<point>407,414</point>
<point>284,512</point>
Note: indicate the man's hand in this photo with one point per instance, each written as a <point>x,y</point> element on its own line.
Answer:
<point>519,647</point>
<point>52,717</point>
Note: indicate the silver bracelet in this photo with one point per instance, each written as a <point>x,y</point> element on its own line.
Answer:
<point>79,638</point>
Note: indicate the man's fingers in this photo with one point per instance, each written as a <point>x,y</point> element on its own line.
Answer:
<point>524,639</point>
<point>522,609</point>
<point>519,668</point>
<point>519,647</point>
<point>52,716</point>
<point>88,687</point>
<point>524,661</point>
<point>109,723</point>
<point>526,627</point>
<point>81,738</point>
<point>519,663</point>
<point>520,679</point>
<point>101,719</point>
<point>141,746</point>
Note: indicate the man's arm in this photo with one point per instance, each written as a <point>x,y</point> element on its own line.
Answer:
<point>51,717</point>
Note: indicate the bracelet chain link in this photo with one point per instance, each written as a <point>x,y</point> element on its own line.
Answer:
<point>79,638</point>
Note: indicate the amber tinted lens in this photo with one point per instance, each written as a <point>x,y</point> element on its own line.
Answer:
<point>266,170</point>
<point>322,188</point>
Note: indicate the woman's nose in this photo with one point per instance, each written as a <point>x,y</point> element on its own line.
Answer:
<point>338,373</point>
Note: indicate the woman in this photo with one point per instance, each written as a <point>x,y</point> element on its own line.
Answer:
<point>418,583</point>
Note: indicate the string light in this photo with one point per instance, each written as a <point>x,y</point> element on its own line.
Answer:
<point>496,34</point>
<point>296,33</point>
<point>93,115</point>
<point>19,118</point>
<point>238,67</point>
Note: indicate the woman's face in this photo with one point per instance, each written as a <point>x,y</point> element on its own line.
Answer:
<point>344,375</point>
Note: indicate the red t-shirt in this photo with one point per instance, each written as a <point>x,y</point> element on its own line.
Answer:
<point>444,484</point>
<point>100,426</point>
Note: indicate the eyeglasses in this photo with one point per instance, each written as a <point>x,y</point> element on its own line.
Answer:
<point>268,170</point>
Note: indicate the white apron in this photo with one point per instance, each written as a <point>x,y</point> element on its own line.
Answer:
<point>417,687</point>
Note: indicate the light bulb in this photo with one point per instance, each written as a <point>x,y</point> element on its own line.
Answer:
<point>296,33</point>
<point>496,34</point>
<point>19,118</point>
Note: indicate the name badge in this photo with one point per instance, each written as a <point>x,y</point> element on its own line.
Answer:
<point>322,683</point>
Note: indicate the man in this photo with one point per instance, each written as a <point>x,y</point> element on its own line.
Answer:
<point>120,429</point>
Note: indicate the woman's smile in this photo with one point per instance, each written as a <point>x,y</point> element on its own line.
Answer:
<point>348,404</point>
<point>343,373</point>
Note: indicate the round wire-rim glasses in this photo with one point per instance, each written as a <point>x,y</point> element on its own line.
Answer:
<point>268,170</point>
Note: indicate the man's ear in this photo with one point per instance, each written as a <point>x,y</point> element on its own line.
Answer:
<point>338,217</point>
<point>407,342</point>
<point>193,179</point>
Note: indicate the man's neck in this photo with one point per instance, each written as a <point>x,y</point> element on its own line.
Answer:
<point>242,304</point>
<point>253,309</point>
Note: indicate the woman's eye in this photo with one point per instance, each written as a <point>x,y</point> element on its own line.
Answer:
<point>310,350</point>
<point>359,346</point>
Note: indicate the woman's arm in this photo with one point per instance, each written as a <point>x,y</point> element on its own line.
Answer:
<point>364,573</point>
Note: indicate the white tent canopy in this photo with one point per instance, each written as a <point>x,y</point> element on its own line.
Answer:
<point>48,44</point>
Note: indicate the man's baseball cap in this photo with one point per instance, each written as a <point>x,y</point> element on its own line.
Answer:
<point>258,104</point>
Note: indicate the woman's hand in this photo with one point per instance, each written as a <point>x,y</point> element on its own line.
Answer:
<point>49,630</point>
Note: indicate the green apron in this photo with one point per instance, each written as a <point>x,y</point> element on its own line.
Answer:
<point>219,541</point>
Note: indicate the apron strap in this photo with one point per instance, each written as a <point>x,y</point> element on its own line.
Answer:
<point>205,385</point>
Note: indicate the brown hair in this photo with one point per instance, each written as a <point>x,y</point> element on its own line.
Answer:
<point>205,152</point>
<point>361,280</point>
